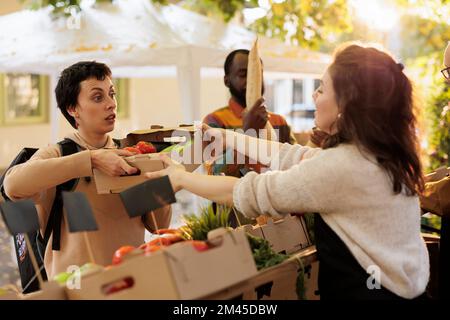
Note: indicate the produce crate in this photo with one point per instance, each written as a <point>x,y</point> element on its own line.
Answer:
<point>157,135</point>
<point>276,283</point>
<point>287,235</point>
<point>145,163</point>
<point>175,272</point>
<point>50,291</point>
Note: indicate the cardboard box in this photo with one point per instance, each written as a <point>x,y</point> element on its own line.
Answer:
<point>176,272</point>
<point>437,175</point>
<point>276,283</point>
<point>157,134</point>
<point>145,163</point>
<point>287,235</point>
<point>312,281</point>
<point>50,291</point>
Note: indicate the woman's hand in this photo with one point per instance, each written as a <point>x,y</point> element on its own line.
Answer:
<point>213,141</point>
<point>173,170</point>
<point>217,133</point>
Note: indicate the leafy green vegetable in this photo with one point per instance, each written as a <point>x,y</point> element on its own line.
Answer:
<point>263,254</point>
<point>197,227</point>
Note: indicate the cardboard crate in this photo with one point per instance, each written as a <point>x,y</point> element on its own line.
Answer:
<point>276,283</point>
<point>312,281</point>
<point>157,134</point>
<point>287,235</point>
<point>176,272</point>
<point>51,291</point>
<point>145,163</point>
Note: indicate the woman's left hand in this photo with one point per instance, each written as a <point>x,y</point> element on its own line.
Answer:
<point>173,170</point>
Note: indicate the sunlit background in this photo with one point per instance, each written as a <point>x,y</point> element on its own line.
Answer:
<point>305,31</point>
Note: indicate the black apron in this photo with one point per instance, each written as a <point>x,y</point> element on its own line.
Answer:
<point>341,277</point>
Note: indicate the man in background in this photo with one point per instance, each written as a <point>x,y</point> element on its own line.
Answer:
<point>237,115</point>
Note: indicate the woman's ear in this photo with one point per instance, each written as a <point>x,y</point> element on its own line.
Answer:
<point>73,111</point>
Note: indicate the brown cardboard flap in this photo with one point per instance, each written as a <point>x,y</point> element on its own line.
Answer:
<point>285,235</point>
<point>50,291</point>
<point>144,162</point>
<point>277,282</point>
<point>156,135</point>
<point>436,197</point>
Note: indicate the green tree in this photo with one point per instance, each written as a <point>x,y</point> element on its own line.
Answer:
<point>307,23</point>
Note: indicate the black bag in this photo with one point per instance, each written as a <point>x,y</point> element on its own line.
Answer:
<point>28,276</point>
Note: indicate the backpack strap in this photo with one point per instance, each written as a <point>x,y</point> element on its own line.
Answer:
<point>24,155</point>
<point>117,142</point>
<point>67,147</point>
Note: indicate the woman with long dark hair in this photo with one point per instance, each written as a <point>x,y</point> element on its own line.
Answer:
<point>364,183</point>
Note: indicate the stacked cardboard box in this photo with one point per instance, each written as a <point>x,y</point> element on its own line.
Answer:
<point>287,235</point>
<point>176,272</point>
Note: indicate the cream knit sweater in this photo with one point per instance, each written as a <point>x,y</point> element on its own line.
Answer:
<point>354,196</point>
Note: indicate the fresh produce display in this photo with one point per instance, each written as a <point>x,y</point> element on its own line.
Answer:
<point>263,254</point>
<point>120,254</point>
<point>167,238</point>
<point>142,147</point>
<point>159,243</point>
<point>198,226</point>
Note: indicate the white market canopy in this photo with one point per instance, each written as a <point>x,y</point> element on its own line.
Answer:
<point>130,35</point>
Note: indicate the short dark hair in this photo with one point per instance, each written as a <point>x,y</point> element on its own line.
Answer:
<point>68,87</point>
<point>230,58</point>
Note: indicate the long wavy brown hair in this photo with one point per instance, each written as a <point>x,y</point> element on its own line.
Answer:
<point>376,105</point>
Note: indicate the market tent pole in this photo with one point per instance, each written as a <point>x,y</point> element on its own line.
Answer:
<point>55,114</point>
<point>188,74</point>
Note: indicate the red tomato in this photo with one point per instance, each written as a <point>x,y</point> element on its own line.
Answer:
<point>161,241</point>
<point>133,149</point>
<point>145,147</point>
<point>121,253</point>
<point>166,231</point>
<point>152,248</point>
<point>200,245</point>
